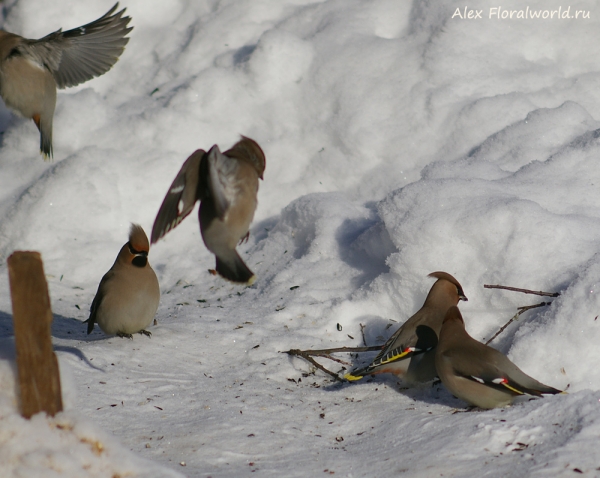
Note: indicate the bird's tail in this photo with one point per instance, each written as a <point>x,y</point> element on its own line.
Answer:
<point>356,374</point>
<point>45,129</point>
<point>90,326</point>
<point>233,268</point>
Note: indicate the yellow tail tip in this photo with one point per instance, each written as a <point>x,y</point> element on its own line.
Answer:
<point>352,378</point>
<point>251,281</point>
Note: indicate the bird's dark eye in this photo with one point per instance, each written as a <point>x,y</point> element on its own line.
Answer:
<point>14,52</point>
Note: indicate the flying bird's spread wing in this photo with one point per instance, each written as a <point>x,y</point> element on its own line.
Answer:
<point>85,52</point>
<point>181,198</point>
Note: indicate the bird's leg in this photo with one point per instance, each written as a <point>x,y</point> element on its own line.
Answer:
<point>146,333</point>
<point>124,336</point>
<point>245,238</point>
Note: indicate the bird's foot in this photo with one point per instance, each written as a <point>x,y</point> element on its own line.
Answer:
<point>145,332</point>
<point>124,336</point>
<point>245,238</point>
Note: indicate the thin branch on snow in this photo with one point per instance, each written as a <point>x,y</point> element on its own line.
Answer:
<point>362,331</point>
<point>524,291</point>
<point>515,317</point>
<point>309,354</point>
<point>520,309</point>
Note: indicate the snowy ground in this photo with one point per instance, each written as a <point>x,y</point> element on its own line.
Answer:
<point>399,141</point>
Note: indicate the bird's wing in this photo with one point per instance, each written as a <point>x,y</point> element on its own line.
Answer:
<point>181,198</point>
<point>221,180</point>
<point>403,346</point>
<point>85,52</point>
<point>491,368</point>
<point>98,300</point>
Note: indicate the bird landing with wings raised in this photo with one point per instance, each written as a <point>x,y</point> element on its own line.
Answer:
<point>226,184</point>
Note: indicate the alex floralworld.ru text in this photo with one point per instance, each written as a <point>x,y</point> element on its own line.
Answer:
<point>500,13</point>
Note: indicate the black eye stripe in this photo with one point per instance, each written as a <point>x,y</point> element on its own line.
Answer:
<point>136,253</point>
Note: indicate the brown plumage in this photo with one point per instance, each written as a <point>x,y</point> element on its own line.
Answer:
<point>476,373</point>
<point>128,294</point>
<point>31,70</point>
<point>409,353</point>
<point>226,185</point>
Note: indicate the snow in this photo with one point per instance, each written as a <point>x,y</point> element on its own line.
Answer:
<point>399,141</point>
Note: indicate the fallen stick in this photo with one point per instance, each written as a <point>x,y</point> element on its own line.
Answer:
<point>515,317</point>
<point>524,291</point>
<point>309,354</point>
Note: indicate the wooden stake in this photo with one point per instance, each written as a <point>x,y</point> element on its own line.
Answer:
<point>39,379</point>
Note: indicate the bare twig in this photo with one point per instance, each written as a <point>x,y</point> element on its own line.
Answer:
<point>515,317</point>
<point>524,291</point>
<point>325,352</point>
<point>308,354</point>
<point>525,308</point>
<point>301,353</point>
<point>362,331</point>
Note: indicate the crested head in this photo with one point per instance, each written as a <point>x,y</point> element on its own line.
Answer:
<point>453,314</point>
<point>447,277</point>
<point>138,239</point>
<point>249,150</point>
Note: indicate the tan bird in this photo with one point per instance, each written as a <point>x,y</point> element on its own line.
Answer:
<point>226,185</point>
<point>128,294</point>
<point>31,70</point>
<point>476,373</point>
<point>409,353</point>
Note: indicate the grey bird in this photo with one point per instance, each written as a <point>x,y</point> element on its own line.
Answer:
<point>476,373</point>
<point>226,185</point>
<point>410,352</point>
<point>128,294</point>
<point>31,70</point>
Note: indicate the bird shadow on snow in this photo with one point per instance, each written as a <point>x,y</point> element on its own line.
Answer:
<point>62,328</point>
<point>429,393</point>
<point>365,245</point>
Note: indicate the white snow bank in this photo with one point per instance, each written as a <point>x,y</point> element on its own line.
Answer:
<point>399,141</point>
<point>63,445</point>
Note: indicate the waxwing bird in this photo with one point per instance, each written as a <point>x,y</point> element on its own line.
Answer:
<point>476,373</point>
<point>128,294</point>
<point>409,353</point>
<point>31,70</point>
<point>226,185</point>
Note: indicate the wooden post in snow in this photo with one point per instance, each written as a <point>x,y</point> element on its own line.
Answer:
<point>39,379</point>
